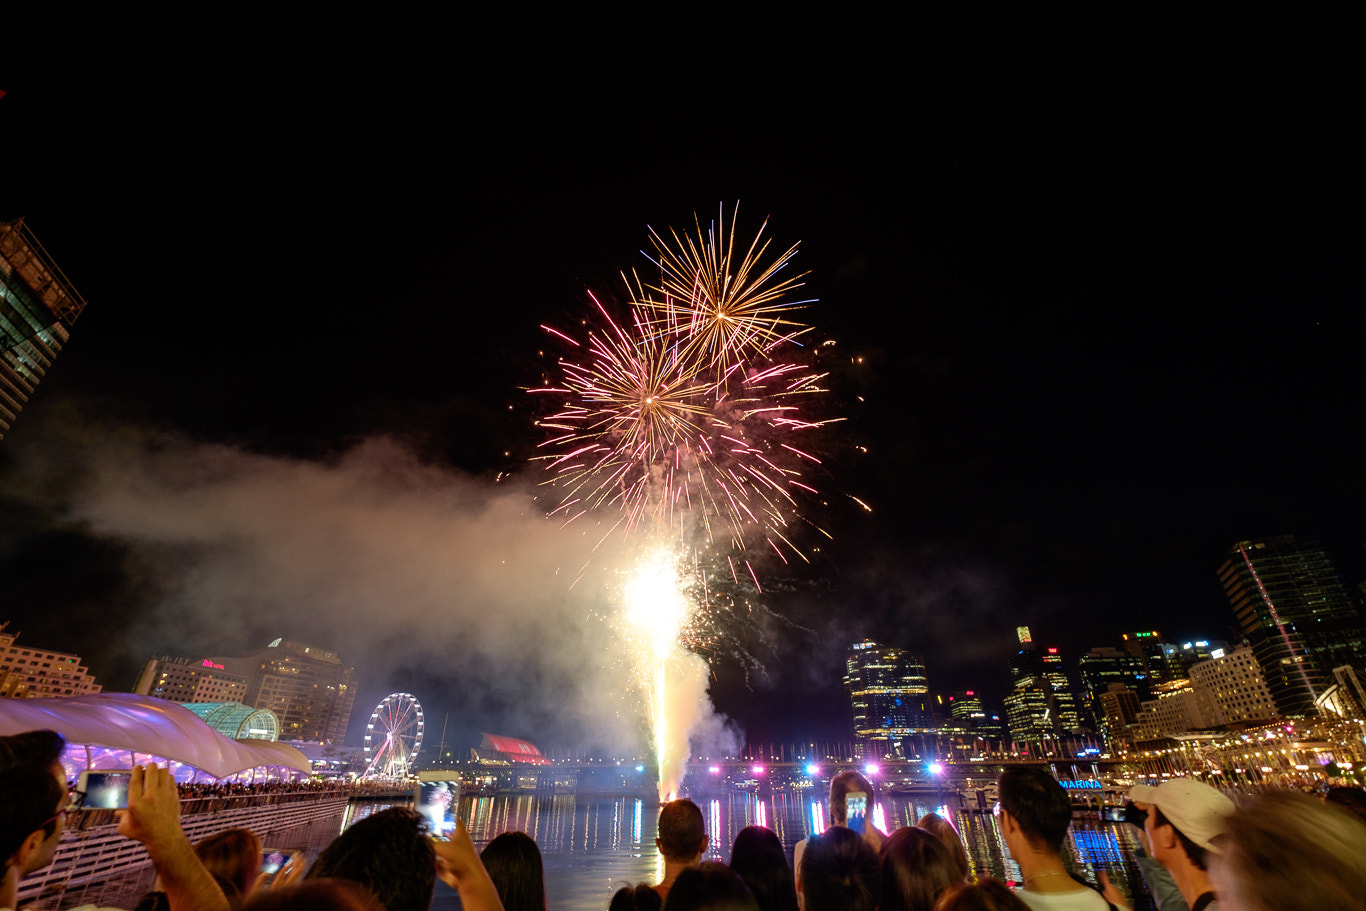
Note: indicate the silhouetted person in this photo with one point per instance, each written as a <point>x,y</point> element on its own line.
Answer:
<point>759,859</point>
<point>711,886</point>
<point>943,830</point>
<point>915,869</point>
<point>682,840</point>
<point>839,872</point>
<point>389,854</point>
<point>315,895</point>
<point>640,897</point>
<point>514,865</point>
<point>841,786</point>
<point>987,895</point>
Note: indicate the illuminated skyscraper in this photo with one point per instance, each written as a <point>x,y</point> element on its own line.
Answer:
<point>965,707</point>
<point>309,688</point>
<point>1116,709</point>
<point>1064,701</point>
<point>1294,611</point>
<point>1040,705</point>
<point>887,690</point>
<point>38,306</point>
<point>1150,646</point>
<point>1029,704</point>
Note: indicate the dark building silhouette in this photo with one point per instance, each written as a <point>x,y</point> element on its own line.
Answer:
<point>1106,674</point>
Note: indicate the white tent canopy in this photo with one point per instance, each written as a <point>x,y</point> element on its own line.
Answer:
<point>148,726</point>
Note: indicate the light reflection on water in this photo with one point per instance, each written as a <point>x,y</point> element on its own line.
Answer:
<point>593,846</point>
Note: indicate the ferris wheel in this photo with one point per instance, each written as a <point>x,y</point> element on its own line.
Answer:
<point>393,737</point>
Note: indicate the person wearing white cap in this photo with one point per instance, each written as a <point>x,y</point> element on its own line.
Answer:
<point>1184,821</point>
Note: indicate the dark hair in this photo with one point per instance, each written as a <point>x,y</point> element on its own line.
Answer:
<point>1286,851</point>
<point>29,793</point>
<point>839,872</point>
<point>640,897</point>
<point>387,853</point>
<point>710,886</point>
<point>233,855</point>
<point>846,782</point>
<point>514,865</point>
<point>682,831</point>
<point>1038,804</point>
<point>943,830</point>
<point>1353,800</point>
<point>759,859</point>
<point>915,869</point>
<point>315,895</point>
<point>987,895</point>
<point>1193,851</point>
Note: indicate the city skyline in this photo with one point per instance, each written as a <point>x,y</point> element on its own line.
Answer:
<point>1071,708</point>
<point>1097,311</point>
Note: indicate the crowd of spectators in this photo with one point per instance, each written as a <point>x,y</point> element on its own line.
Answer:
<point>265,788</point>
<point>1280,851</point>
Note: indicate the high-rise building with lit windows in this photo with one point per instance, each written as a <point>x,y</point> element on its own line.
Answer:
<point>1156,654</point>
<point>1296,614</point>
<point>1031,710</point>
<point>310,689</point>
<point>1064,700</point>
<point>965,707</point>
<point>38,306</point>
<point>27,672</point>
<point>888,693</point>
<point>190,680</point>
<point>1235,685</point>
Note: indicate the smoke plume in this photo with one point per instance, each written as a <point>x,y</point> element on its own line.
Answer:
<point>453,587</point>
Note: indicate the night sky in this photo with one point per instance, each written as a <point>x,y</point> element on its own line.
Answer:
<point>1095,285</point>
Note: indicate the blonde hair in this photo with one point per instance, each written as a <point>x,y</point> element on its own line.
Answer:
<point>943,830</point>
<point>1286,851</point>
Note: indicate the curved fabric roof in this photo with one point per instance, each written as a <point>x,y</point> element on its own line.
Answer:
<point>127,721</point>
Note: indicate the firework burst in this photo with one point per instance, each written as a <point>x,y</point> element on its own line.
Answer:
<point>726,307</point>
<point>681,411</point>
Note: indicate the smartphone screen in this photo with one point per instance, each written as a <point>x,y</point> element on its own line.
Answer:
<point>438,801</point>
<point>272,861</point>
<point>105,790</point>
<point>856,810</point>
